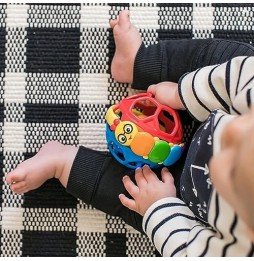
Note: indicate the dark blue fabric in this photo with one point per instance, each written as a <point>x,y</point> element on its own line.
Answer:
<point>195,184</point>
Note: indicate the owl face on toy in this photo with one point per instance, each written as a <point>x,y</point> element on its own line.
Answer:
<point>125,132</point>
<point>142,131</point>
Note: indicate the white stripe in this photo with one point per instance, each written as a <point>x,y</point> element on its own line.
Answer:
<point>226,118</point>
<point>190,100</point>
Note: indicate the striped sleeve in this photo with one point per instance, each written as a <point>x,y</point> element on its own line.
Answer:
<point>228,86</point>
<point>159,223</point>
<point>172,228</point>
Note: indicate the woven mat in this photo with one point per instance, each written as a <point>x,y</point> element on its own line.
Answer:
<point>55,84</point>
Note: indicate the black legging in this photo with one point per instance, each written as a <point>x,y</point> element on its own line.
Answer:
<point>96,177</point>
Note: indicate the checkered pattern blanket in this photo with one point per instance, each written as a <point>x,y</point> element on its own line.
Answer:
<point>55,84</point>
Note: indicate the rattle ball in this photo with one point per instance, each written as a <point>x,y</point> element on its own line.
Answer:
<point>140,130</point>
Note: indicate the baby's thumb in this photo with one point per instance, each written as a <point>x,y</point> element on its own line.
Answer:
<point>152,89</point>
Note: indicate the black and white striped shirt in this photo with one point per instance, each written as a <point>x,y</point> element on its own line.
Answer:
<point>204,224</point>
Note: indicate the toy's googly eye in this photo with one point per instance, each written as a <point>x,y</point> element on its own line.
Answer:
<point>128,128</point>
<point>121,138</point>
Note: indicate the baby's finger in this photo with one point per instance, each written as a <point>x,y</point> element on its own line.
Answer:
<point>139,177</point>
<point>149,175</point>
<point>130,186</point>
<point>166,176</point>
<point>127,202</point>
<point>151,89</point>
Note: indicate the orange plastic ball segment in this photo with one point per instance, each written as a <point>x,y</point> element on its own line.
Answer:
<point>159,152</point>
<point>142,143</point>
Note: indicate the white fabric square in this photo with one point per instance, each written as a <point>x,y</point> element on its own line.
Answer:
<point>203,17</point>
<point>15,87</point>
<point>145,17</point>
<point>93,136</point>
<point>93,88</point>
<point>91,220</point>
<point>14,136</point>
<point>12,218</point>
<point>203,21</point>
<point>94,16</point>
<point>17,15</point>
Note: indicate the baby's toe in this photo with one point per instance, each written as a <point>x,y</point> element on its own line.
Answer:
<point>15,176</point>
<point>19,187</point>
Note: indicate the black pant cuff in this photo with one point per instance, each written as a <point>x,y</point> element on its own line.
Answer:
<point>85,173</point>
<point>147,66</point>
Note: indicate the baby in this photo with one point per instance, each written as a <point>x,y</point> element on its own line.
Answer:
<point>214,213</point>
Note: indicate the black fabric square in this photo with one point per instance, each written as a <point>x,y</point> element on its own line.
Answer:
<point>51,195</point>
<point>115,244</point>
<point>117,5</point>
<point>232,5</point>
<point>242,36</point>
<point>2,108</point>
<point>2,48</point>
<point>111,48</point>
<point>47,243</point>
<point>52,113</point>
<point>164,34</point>
<point>53,50</point>
<point>175,5</point>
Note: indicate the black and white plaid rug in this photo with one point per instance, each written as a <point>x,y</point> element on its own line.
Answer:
<point>55,84</point>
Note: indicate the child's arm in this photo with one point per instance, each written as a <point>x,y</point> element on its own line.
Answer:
<point>228,86</point>
<point>174,229</point>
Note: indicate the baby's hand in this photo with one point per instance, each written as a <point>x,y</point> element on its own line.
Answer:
<point>148,190</point>
<point>167,94</point>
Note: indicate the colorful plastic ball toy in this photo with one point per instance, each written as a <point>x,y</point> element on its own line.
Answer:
<point>142,131</point>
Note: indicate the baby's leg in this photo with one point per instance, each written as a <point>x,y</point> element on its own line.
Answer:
<point>127,41</point>
<point>54,160</point>
<point>170,59</point>
<point>92,176</point>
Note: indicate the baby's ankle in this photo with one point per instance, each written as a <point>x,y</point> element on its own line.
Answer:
<point>54,153</point>
<point>63,166</point>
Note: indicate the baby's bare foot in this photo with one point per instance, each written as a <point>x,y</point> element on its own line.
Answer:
<point>54,160</point>
<point>127,41</point>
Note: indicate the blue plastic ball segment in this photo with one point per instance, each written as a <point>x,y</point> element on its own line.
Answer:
<point>141,131</point>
